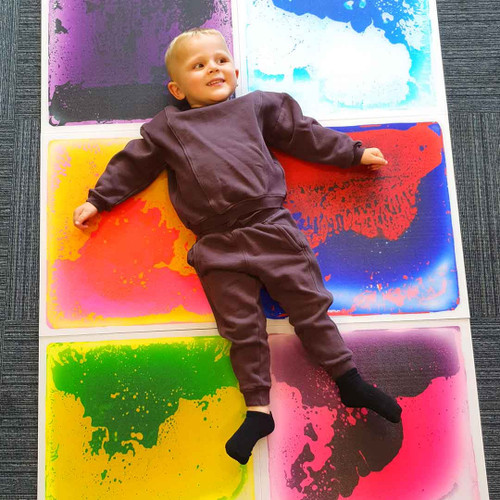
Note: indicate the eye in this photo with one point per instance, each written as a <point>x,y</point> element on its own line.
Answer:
<point>222,60</point>
<point>198,66</point>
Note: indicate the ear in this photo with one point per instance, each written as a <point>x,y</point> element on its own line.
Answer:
<point>176,91</point>
<point>237,73</point>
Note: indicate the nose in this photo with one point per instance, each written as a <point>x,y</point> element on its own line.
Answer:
<point>212,67</point>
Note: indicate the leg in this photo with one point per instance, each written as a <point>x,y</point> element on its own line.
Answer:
<point>292,277</point>
<point>235,301</point>
<point>320,336</point>
<point>294,280</point>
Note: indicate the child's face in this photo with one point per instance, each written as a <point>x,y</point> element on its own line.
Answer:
<point>203,71</point>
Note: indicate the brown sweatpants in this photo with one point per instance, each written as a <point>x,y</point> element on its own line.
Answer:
<point>234,265</point>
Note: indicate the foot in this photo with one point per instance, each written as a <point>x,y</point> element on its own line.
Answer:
<point>255,426</point>
<point>356,393</point>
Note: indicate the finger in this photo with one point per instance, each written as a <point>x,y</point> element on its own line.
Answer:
<point>76,217</point>
<point>79,223</point>
<point>79,218</point>
<point>376,160</point>
<point>84,218</point>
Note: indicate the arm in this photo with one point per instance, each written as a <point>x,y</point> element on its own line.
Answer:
<point>287,129</point>
<point>128,172</point>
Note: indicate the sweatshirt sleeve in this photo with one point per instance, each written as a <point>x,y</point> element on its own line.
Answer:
<point>130,171</point>
<point>287,129</point>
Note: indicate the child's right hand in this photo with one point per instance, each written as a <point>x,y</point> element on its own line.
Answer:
<point>83,214</point>
<point>373,158</point>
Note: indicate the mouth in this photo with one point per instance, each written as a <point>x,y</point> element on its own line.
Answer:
<point>217,81</point>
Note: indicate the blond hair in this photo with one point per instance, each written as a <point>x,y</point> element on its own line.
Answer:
<point>177,42</point>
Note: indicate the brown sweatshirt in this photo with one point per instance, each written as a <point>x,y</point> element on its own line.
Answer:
<point>218,160</point>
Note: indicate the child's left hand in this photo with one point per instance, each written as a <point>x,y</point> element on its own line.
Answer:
<point>374,158</point>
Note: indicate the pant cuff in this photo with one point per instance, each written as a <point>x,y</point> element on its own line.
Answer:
<point>257,397</point>
<point>340,368</point>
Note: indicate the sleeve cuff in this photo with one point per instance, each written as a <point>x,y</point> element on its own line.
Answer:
<point>99,203</point>
<point>358,153</point>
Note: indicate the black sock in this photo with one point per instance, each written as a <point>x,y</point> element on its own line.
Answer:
<point>256,425</point>
<point>356,393</point>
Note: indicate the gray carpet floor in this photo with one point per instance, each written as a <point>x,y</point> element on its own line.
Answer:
<point>470,39</point>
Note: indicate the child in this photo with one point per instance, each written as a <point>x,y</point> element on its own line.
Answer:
<point>228,189</point>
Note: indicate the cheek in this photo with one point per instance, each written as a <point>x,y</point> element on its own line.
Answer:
<point>199,81</point>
